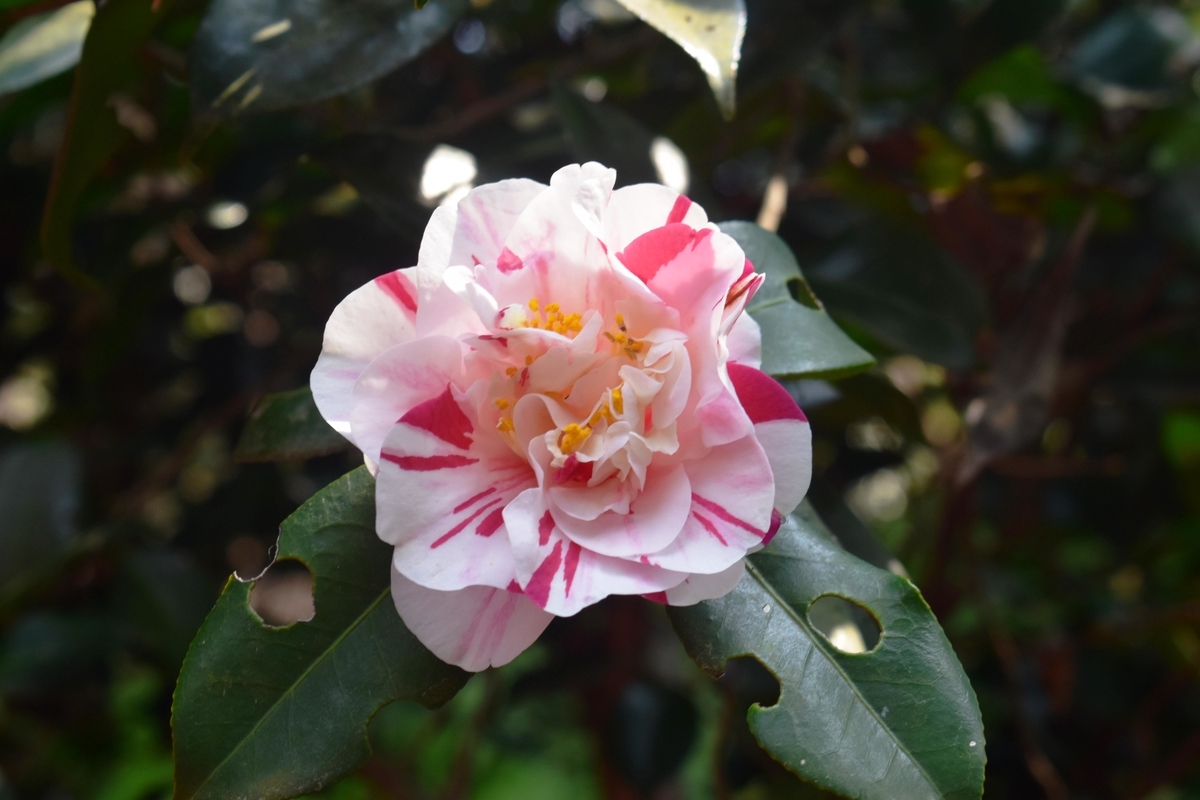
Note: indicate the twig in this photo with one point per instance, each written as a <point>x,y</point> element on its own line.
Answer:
<point>775,199</point>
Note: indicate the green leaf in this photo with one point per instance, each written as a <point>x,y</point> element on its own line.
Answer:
<point>260,55</point>
<point>711,31</point>
<point>899,722</point>
<point>277,712</point>
<point>799,338</point>
<point>287,426</point>
<point>42,46</point>
<point>93,133</point>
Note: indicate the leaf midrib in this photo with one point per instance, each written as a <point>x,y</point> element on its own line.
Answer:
<point>308,670</point>
<point>816,640</point>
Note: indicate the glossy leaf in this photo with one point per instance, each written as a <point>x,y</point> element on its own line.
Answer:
<point>41,47</point>
<point>799,337</point>
<point>277,712</point>
<point>259,55</point>
<point>114,39</point>
<point>711,31</point>
<point>287,426</point>
<point>900,722</point>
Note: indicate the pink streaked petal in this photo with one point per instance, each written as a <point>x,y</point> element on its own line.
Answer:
<point>656,248</point>
<point>397,381</point>
<point>722,420</point>
<point>762,397</point>
<point>473,628</point>
<point>706,587</point>
<point>634,210</point>
<point>442,507</point>
<point>369,321</point>
<point>563,575</point>
<point>655,517</point>
<point>732,494</point>
<point>473,231</point>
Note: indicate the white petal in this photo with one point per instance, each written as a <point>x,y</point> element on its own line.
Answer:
<point>706,587</point>
<point>473,628</point>
<point>371,319</point>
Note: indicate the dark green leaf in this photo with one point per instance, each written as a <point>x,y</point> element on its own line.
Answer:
<point>906,291</point>
<point>898,722</point>
<point>44,45</point>
<point>260,55</point>
<point>287,426</point>
<point>799,338</point>
<point>93,133</point>
<point>1127,49</point>
<point>276,712</point>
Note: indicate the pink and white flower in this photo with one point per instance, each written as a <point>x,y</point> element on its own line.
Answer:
<point>562,402</point>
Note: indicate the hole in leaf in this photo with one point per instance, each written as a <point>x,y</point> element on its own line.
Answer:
<point>750,682</point>
<point>283,595</point>
<point>802,293</point>
<point>848,626</point>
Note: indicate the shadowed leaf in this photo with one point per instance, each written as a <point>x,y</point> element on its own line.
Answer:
<point>287,426</point>
<point>277,712</point>
<point>799,338</point>
<point>260,55</point>
<point>897,723</point>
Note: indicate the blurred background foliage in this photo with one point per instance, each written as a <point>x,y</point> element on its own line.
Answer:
<point>1000,199</point>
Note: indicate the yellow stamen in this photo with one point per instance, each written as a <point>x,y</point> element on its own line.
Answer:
<point>501,403</point>
<point>534,304</point>
<point>573,437</point>
<point>504,425</point>
<point>511,371</point>
<point>528,360</point>
<point>621,321</point>
<point>618,403</point>
<point>551,308</point>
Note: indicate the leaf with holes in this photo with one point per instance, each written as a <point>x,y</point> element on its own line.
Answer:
<point>799,337</point>
<point>711,31</point>
<point>287,426</point>
<point>900,722</point>
<point>260,55</point>
<point>278,712</point>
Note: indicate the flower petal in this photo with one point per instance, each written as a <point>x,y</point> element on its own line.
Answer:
<point>731,510</point>
<point>655,517</point>
<point>745,342</point>
<point>634,210</point>
<point>473,628</point>
<point>782,430</point>
<point>560,575</point>
<point>706,587</point>
<point>371,319</point>
<point>474,230</point>
<point>397,380</point>
<point>440,497</point>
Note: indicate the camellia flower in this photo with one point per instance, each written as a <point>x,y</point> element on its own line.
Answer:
<point>562,402</point>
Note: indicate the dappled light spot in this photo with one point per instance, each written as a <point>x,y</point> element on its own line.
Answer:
<point>283,595</point>
<point>847,625</point>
